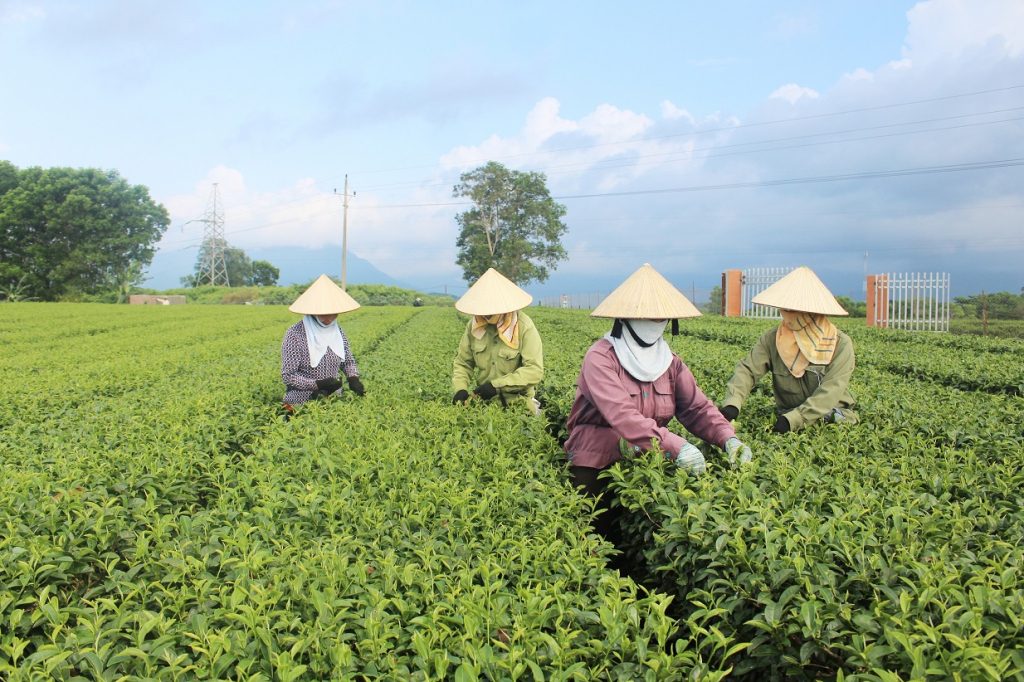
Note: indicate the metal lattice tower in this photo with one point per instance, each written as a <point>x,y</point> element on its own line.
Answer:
<point>214,269</point>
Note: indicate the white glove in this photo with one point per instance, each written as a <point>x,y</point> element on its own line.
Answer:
<point>734,446</point>
<point>690,458</point>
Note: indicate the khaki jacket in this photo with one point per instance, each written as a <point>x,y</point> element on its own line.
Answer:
<point>515,372</point>
<point>804,400</point>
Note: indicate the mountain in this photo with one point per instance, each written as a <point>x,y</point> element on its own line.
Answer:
<point>297,265</point>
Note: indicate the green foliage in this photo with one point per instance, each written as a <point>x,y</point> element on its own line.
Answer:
<point>65,232</point>
<point>365,294</point>
<point>161,522</point>
<point>714,304</point>
<point>1001,305</point>
<point>855,308</point>
<point>264,274</point>
<point>514,227</point>
<point>236,263</point>
<point>889,550</point>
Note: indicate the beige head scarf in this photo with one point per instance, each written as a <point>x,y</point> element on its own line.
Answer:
<point>507,325</point>
<point>805,339</point>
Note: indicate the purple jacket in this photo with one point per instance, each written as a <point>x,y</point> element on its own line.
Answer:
<point>610,404</point>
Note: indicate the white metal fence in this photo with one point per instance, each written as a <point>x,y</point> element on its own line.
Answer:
<point>579,301</point>
<point>699,296</point>
<point>754,282</point>
<point>915,301</point>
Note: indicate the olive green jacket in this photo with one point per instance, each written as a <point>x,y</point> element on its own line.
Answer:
<point>805,400</point>
<point>515,372</point>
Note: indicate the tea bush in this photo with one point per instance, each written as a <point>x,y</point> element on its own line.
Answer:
<point>161,521</point>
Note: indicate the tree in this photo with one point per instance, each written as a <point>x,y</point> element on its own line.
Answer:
<point>514,227</point>
<point>714,303</point>
<point>127,278</point>
<point>237,264</point>
<point>67,230</point>
<point>264,274</point>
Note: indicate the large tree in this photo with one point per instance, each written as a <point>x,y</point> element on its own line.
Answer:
<point>65,231</point>
<point>514,226</point>
<point>241,271</point>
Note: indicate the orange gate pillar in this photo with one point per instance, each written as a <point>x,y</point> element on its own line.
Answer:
<point>732,293</point>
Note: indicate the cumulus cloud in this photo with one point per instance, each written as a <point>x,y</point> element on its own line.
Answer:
<point>945,29</point>
<point>695,195</point>
<point>792,92</point>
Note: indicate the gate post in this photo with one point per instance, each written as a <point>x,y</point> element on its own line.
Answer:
<point>732,292</point>
<point>878,301</point>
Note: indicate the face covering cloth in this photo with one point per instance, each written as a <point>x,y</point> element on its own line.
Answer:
<point>641,349</point>
<point>507,325</point>
<point>805,339</point>
<point>320,337</point>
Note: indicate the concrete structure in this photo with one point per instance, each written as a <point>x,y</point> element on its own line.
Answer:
<point>148,299</point>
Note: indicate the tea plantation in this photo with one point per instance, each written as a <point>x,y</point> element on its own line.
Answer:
<point>159,519</point>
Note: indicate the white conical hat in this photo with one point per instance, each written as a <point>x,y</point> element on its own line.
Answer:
<point>803,292</point>
<point>493,294</point>
<point>646,295</point>
<point>323,297</point>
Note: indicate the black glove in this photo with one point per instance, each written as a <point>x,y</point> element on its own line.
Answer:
<point>460,397</point>
<point>486,391</point>
<point>357,386</point>
<point>730,412</point>
<point>328,386</point>
<point>781,425</point>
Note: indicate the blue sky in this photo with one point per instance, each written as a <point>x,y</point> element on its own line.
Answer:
<point>747,112</point>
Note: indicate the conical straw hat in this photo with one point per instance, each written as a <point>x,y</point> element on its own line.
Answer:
<point>323,297</point>
<point>493,294</point>
<point>646,295</point>
<point>801,291</point>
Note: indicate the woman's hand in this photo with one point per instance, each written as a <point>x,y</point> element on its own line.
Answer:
<point>328,386</point>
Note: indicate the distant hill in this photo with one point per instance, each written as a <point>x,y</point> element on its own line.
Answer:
<point>297,265</point>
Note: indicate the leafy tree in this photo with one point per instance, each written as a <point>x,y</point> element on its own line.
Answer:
<point>714,304</point>
<point>855,308</point>
<point>126,279</point>
<point>264,274</point>
<point>237,264</point>
<point>1001,305</point>
<point>514,227</point>
<point>66,230</point>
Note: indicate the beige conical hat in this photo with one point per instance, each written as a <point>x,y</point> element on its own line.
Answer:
<point>493,294</point>
<point>323,297</point>
<point>801,291</point>
<point>646,295</point>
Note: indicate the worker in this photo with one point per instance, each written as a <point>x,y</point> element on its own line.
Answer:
<point>315,350</point>
<point>500,351</point>
<point>811,361</point>
<point>631,385</point>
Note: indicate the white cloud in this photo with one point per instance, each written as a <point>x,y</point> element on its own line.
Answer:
<point>793,92</point>
<point>672,112</point>
<point>943,29</point>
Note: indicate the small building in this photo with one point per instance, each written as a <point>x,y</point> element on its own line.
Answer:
<point>149,299</point>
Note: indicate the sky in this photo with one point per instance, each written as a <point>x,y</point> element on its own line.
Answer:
<point>885,136</point>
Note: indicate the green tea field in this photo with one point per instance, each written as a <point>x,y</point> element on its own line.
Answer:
<point>160,520</point>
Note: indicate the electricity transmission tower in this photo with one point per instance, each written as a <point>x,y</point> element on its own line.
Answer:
<point>213,269</point>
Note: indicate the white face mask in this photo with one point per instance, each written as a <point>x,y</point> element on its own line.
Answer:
<point>644,361</point>
<point>649,331</point>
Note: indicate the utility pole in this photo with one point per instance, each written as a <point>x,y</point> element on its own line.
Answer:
<point>865,285</point>
<point>344,232</point>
